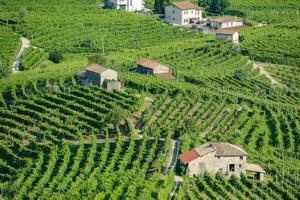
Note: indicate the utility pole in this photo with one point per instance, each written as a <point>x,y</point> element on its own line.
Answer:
<point>103,53</point>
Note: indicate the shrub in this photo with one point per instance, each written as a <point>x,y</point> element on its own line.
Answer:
<point>55,57</point>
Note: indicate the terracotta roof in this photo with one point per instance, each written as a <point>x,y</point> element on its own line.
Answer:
<point>254,168</point>
<point>185,5</point>
<point>225,19</point>
<point>205,149</point>
<point>147,63</point>
<point>165,76</point>
<point>221,149</point>
<point>226,149</point>
<point>234,28</point>
<point>188,157</point>
<point>226,32</point>
<point>96,68</point>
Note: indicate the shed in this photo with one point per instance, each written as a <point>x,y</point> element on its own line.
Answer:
<point>228,35</point>
<point>151,67</point>
<point>258,171</point>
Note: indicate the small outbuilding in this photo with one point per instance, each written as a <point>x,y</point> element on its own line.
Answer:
<point>225,22</point>
<point>183,13</point>
<point>228,35</point>
<point>256,171</point>
<point>98,75</point>
<point>217,157</point>
<point>147,66</point>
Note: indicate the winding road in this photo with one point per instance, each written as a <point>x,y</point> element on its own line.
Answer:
<point>16,63</point>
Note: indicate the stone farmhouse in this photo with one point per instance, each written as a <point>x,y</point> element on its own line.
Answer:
<point>225,22</point>
<point>127,5</point>
<point>228,35</point>
<point>147,66</point>
<point>183,13</point>
<point>219,157</point>
<point>98,75</point>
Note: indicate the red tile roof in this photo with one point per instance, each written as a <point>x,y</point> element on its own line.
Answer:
<point>188,157</point>
<point>225,19</point>
<point>96,68</point>
<point>185,5</point>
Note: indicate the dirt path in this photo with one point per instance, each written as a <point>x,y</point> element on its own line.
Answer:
<point>138,116</point>
<point>262,71</point>
<point>178,181</point>
<point>16,63</point>
<point>172,157</point>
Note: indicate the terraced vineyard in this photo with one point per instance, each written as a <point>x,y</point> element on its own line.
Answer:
<point>9,43</point>
<point>280,40</point>
<point>62,140</point>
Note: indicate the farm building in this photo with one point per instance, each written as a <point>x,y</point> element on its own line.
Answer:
<point>183,13</point>
<point>225,22</point>
<point>96,74</point>
<point>228,35</point>
<point>127,5</point>
<point>218,157</point>
<point>151,67</point>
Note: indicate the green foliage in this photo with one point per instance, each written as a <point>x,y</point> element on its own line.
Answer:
<point>55,57</point>
<point>241,74</point>
<point>22,12</point>
<point>218,6</point>
<point>98,59</point>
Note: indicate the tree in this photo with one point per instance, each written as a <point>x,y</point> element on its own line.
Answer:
<point>204,3</point>
<point>97,58</point>
<point>55,57</point>
<point>218,6</point>
<point>22,12</point>
<point>240,74</point>
<point>3,3</point>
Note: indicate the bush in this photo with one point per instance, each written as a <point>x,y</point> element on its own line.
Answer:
<point>55,57</point>
<point>240,74</point>
<point>97,59</point>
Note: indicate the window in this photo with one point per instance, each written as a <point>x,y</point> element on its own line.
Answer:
<point>218,157</point>
<point>173,18</point>
<point>173,11</point>
<point>240,166</point>
<point>241,158</point>
<point>185,12</point>
<point>231,167</point>
<point>192,12</point>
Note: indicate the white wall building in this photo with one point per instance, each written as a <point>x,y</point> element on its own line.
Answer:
<point>219,157</point>
<point>127,5</point>
<point>225,22</point>
<point>228,35</point>
<point>183,13</point>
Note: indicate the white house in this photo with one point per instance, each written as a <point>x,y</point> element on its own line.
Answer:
<point>219,157</point>
<point>225,22</point>
<point>127,5</point>
<point>183,13</point>
<point>228,35</point>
